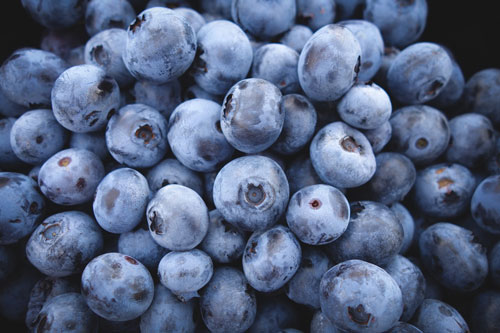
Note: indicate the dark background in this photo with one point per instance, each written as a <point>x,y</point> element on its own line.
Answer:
<point>469,29</point>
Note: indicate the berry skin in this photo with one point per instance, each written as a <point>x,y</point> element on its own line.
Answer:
<point>484,204</point>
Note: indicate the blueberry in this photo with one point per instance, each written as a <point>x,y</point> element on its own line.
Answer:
<point>315,13</point>
<point>217,7</point>
<point>177,218</point>
<point>120,200</point>
<point>165,3</point>
<point>84,98</point>
<point>224,243</point>
<point>374,234</point>
<point>167,311</point>
<point>137,136</point>
<point>271,258</point>
<point>452,92</point>
<point>39,69</point>
<point>393,179</point>
<point>361,297</point>
<point>251,192</point>
<point>171,171</point>
<point>140,245</point>
<point>36,136</point>
<point>321,324</point>
<point>452,256</point>
<point>329,63</point>
<point>114,276</point>
<point>303,288</point>
<point>43,291</point>
<point>54,14</point>
<point>251,117</point>
<point>484,311</point>
<point>401,22</point>
<point>494,264</point>
<point>435,316</point>
<point>105,50</point>
<point>390,53</point>
<point>195,135</point>
<point>484,204</point>
<point>402,327</point>
<point>8,158</point>
<point>64,243</point>
<point>299,125</point>
<point>420,132</point>
<point>70,176</point>
<point>277,63</point>
<point>101,15</point>
<point>160,45</point>
<point>318,214</point>
<point>67,312</point>
<point>481,94</point>
<point>274,313</point>
<point>493,162</point>
<point>195,91</point>
<point>296,37</point>
<point>9,108</point>
<point>406,220</point>
<point>21,208</point>
<point>365,106</point>
<point>259,17</point>
<point>61,42</point>
<point>91,141</point>
<point>163,97</point>
<point>419,73</point>
<point>372,46</point>
<point>76,56</point>
<point>184,273</point>
<point>342,156</point>
<point>300,173</point>
<point>227,303</point>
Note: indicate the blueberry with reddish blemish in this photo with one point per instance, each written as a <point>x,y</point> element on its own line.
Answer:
<point>43,291</point>
<point>91,141</point>
<point>484,311</point>
<point>401,22</point>
<point>259,17</point>
<point>66,313</point>
<point>224,243</point>
<point>437,316</point>
<point>167,310</point>
<point>84,97</point>
<point>494,264</point>
<point>329,63</point>
<point>177,218</point>
<point>372,46</point>
<point>8,158</point>
<point>105,50</point>
<point>117,287</point>
<point>227,303</point>
<point>64,243</point>
<point>36,136</point>
<point>300,173</point>
<point>420,132</point>
<point>296,37</point>
<point>361,297</point>
<point>140,245</point>
<point>71,176</point>
<point>365,106</point>
<point>444,190</point>
<point>163,97</point>
<point>406,220</point>
<point>184,273</point>
<point>315,13</point>
<point>195,135</point>
<point>271,258</point>
<point>137,136</point>
<point>160,46</point>
<point>393,179</point>
<point>481,94</point>
<point>251,192</point>
<point>410,280</point>
<point>484,205</point>
<point>472,140</point>
<point>277,63</point>
<point>54,14</point>
<point>298,128</point>
<point>171,171</point>
<point>303,288</point>
<point>120,200</point>
<point>318,214</point>
<point>419,73</point>
<point>373,234</point>
<point>39,69</point>
<point>224,56</point>
<point>453,257</point>
<point>106,14</point>
<point>251,117</point>
<point>342,156</point>
<point>21,208</point>
<point>321,324</point>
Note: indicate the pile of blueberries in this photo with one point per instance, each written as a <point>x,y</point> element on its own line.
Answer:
<point>246,165</point>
